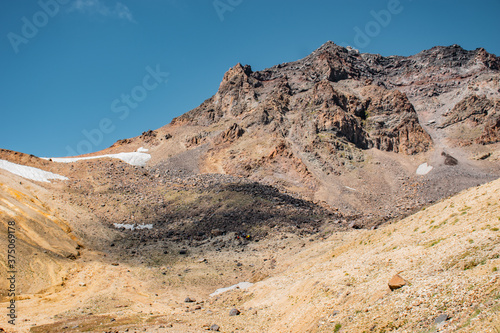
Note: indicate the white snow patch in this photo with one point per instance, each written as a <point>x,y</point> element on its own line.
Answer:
<point>132,226</point>
<point>142,150</point>
<point>241,285</point>
<point>135,158</point>
<point>30,172</point>
<point>424,169</point>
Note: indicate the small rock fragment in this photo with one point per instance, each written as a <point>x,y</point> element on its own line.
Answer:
<point>234,312</point>
<point>441,319</point>
<point>396,282</point>
<point>215,327</point>
<point>189,300</point>
<point>448,159</point>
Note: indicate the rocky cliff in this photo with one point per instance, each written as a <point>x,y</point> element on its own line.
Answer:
<point>325,122</point>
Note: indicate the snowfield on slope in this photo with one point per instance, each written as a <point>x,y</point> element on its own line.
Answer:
<point>138,158</point>
<point>30,172</point>
<point>241,285</point>
<point>132,226</point>
<point>424,169</point>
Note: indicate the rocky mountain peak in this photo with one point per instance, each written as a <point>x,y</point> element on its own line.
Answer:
<point>309,122</point>
<point>237,71</point>
<point>329,47</point>
<point>489,60</point>
<point>455,56</point>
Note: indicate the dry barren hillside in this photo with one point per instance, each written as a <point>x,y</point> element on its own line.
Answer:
<point>336,281</point>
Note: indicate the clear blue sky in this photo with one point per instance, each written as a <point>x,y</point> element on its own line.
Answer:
<point>67,66</point>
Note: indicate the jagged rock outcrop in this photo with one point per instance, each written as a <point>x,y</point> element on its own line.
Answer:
<point>480,114</point>
<point>393,123</point>
<point>231,134</point>
<point>491,131</point>
<point>473,109</point>
<point>308,125</point>
<point>381,118</point>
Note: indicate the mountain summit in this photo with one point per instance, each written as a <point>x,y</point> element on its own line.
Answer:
<point>340,126</point>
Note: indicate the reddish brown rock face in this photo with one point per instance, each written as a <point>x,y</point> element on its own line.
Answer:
<point>478,112</point>
<point>340,119</point>
<point>393,123</point>
<point>396,282</point>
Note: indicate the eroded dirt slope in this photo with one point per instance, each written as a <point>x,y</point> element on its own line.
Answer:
<point>448,254</point>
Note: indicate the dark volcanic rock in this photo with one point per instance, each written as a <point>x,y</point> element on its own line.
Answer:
<point>441,319</point>
<point>448,159</point>
<point>234,312</point>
